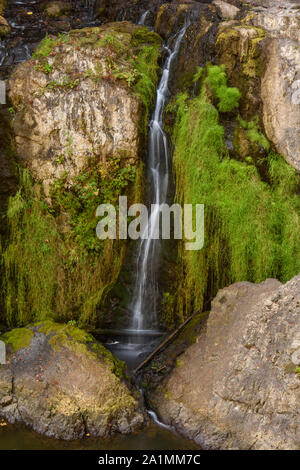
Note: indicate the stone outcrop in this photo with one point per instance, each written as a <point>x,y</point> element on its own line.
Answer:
<point>62,383</point>
<point>4,27</point>
<point>237,386</point>
<point>76,103</point>
<point>280,87</point>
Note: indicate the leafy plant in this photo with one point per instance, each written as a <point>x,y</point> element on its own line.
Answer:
<point>251,227</point>
<point>228,97</point>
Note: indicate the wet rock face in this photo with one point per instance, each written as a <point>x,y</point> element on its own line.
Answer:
<point>72,109</point>
<point>8,180</point>
<point>65,385</point>
<point>4,27</point>
<point>236,387</point>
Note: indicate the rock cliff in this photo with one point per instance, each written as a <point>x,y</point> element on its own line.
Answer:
<point>62,383</point>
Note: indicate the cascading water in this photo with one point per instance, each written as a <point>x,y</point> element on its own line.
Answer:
<point>145,299</point>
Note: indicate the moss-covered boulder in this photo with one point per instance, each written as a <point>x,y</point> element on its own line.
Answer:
<point>241,48</point>
<point>62,383</point>
<point>238,385</point>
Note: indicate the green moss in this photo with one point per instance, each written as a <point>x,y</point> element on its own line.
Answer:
<point>254,66</point>
<point>19,338</point>
<point>251,227</point>
<point>228,35</point>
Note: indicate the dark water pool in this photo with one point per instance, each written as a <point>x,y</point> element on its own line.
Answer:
<point>18,437</point>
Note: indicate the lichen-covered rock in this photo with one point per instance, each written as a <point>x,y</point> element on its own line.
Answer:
<point>62,383</point>
<point>237,386</point>
<point>81,99</point>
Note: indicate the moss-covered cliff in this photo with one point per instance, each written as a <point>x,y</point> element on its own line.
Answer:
<point>251,224</point>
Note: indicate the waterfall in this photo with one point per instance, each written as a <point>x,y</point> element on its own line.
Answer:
<point>143,17</point>
<point>145,298</point>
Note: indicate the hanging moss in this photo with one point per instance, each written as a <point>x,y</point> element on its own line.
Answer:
<point>251,227</point>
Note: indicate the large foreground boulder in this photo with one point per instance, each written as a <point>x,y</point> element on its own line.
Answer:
<point>62,383</point>
<point>237,386</point>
